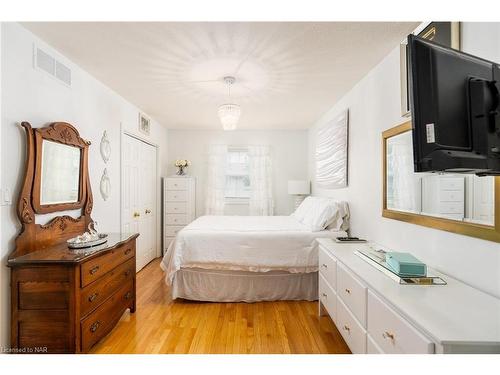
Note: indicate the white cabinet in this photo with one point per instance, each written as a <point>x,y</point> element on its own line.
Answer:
<point>179,206</point>
<point>375,314</point>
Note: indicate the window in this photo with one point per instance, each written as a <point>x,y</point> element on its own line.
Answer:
<point>237,176</point>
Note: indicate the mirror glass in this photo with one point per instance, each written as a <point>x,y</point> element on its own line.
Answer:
<point>60,173</point>
<point>461,197</point>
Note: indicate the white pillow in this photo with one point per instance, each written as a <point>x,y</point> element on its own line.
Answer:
<point>304,207</point>
<point>323,213</point>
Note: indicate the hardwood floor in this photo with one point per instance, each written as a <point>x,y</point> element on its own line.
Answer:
<point>161,325</point>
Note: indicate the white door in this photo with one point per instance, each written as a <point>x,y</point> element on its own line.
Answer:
<point>139,196</point>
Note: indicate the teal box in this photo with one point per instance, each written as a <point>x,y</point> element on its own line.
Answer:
<point>405,264</point>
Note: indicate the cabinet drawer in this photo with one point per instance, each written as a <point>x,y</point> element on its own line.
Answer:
<point>451,208</point>
<point>451,196</point>
<point>177,184</point>
<point>101,321</point>
<point>452,183</point>
<point>328,267</point>
<point>94,294</point>
<point>97,267</point>
<point>172,230</point>
<point>176,219</point>
<point>371,346</point>
<point>176,208</point>
<point>391,332</point>
<point>328,298</point>
<point>352,292</point>
<point>176,196</point>
<point>352,332</point>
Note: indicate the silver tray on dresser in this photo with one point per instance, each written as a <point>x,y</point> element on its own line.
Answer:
<point>103,237</point>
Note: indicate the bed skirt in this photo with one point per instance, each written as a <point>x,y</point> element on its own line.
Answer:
<point>240,286</point>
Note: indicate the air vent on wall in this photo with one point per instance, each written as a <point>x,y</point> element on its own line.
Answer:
<point>49,64</point>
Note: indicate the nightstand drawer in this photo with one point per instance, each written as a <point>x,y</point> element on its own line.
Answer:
<point>392,333</point>
<point>176,208</point>
<point>327,267</point>
<point>176,219</point>
<point>352,292</point>
<point>328,298</point>
<point>172,230</point>
<point>177,184</point>
<point>176,196</point>
<point>350,329</point>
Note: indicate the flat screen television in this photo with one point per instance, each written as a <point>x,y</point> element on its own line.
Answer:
<point>455,110</point>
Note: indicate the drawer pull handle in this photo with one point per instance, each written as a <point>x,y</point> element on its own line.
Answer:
<point>128,295</point>
<point>348,291</point>
<point>95,326</point>
<point>324,295</point>
<point>147,211</point>
<point>94,270</point>
<point>388,335</point>
<point>127,252</point>
<point>324,265</point>
<point>346,328</point>
<point>127,273</point>
<point>93,297</point>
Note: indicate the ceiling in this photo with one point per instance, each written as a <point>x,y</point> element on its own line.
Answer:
<point>287,73</point>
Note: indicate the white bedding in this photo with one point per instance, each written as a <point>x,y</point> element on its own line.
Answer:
<point>245,243</point>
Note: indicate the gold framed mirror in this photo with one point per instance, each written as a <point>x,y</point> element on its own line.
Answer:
<point>458,203</point>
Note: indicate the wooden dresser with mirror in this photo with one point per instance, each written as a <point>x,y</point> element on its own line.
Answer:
<point>64,300</point>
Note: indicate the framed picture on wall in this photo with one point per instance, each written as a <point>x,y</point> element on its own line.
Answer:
<point>445,33</point>
<point>144,124</point>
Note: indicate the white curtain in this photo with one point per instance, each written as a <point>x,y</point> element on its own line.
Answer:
<point>216,180</point>
<point>260,172</point>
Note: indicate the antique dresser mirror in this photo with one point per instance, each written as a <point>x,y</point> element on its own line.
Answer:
<point>460,203</point>
<point>56,179</point>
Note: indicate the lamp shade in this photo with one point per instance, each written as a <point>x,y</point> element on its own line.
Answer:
<point>299,187</point>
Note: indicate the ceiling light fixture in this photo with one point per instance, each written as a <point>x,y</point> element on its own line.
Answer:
<point>229,114</point>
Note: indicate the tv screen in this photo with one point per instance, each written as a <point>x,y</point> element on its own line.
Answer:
<point>454,105</point>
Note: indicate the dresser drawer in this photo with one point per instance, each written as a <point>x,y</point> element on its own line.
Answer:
<point>392,333</point>
<point>328,298</point>
<point>352,332</point>
<point>97,267</point>
<point>177,184</point>
<point>176,196</point>
<point>101,321</point>
<point>172,230</point>
<point>328,267</point>
<point>451,183</point>
<point>451,196</point>
<point>371,346</point>
<point>176,219</point>
<point>451,208</point>
<point>352,292</point>
<point>176,208</point>
<point>94,294</point>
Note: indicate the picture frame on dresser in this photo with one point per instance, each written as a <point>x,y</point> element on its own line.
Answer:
<point>64,300</point>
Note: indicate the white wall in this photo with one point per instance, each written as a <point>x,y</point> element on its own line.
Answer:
<point>31,95</point>
<point>288,148</point>
<point>374,106</point>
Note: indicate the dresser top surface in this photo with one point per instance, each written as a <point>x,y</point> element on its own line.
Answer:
<point>453,313</point>
<point>60,253</point>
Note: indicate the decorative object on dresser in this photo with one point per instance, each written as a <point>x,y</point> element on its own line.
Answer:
<point>331,153</point>
<point>376,315</point>
<point>181,165</point>
<point>299,188</point>
<point>179,206</point>
<point>64,300</point>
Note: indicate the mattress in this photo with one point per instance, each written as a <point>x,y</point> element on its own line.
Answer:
<point>245,243</point>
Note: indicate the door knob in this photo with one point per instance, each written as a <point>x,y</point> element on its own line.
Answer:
<point>148,211</point>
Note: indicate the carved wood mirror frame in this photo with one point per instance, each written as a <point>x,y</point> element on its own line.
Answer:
<point>36,236</point>
<point>485,232</point>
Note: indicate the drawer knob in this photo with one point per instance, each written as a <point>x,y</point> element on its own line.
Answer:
<point>137,214</point>
<point>95,326</point>
<point>346,328</point>
<point>324,265</point>
<point>348,291</point>
<point>127,273</point>
<point>128,295</point>
<point>388,335</point>
<point>93,270</point>
<point>93,297</point>
<point>128,251</point>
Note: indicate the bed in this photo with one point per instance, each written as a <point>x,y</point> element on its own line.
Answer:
<point>246,258</point>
